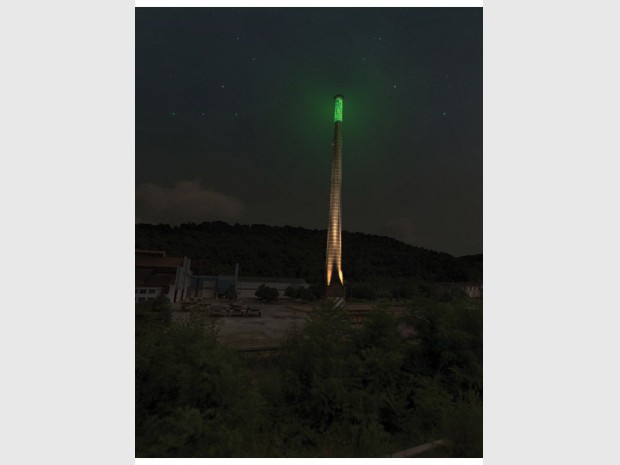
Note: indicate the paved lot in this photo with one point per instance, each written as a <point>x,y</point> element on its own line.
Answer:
<point>268,330</point>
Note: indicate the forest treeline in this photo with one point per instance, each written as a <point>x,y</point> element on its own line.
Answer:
<point>285,251</point>
<point>334,390</point>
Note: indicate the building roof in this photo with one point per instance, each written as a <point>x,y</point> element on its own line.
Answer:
<point>157,253</point>
<point>148,277</point>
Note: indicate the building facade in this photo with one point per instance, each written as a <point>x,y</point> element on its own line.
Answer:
<point>216,286</point>
<point>158,274</point>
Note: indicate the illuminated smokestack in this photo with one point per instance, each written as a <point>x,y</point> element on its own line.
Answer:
<point>335,278</point>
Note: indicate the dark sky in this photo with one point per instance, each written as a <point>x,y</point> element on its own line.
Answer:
<point>234,119</point>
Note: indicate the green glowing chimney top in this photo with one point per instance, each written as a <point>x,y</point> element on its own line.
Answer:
<point>338,108</point>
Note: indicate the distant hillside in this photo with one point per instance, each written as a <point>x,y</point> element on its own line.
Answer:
<point>263,250</point>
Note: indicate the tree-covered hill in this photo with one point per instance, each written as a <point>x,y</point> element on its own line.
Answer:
<point>262,250</point>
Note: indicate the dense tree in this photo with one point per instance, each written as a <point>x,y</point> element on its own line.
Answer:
<point>262,250</point>
<point>153,314</point>
<point>334,390</point>
<point>193,396</point>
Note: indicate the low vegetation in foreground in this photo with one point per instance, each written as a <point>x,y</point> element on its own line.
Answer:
<point>334,390</point>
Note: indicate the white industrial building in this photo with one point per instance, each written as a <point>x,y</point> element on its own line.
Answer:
<point>247,287</point>
<point>158,274</point>
<point>214,286</point>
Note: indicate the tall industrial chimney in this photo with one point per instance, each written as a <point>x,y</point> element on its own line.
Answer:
<point>335,278</point>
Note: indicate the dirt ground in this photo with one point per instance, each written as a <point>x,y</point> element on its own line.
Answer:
<point>270,329</point>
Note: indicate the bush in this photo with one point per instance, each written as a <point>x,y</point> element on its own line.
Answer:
<point>266,293</point>
<point>292,292</point>
<point>308,294</point>
<point>231,294</point>
<point>334,390</point>
<point>194,397</point>
<point>153,313</point>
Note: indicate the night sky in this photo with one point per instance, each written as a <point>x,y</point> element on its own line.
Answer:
<point>234,119</point>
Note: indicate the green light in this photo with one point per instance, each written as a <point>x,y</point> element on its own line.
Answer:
<point>338,109</point>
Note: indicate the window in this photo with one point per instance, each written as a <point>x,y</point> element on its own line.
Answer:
<point>141,299</point>
<point>151,291</point>
<point>142,291</point>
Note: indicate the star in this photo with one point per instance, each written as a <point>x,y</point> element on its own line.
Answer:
<point>444,113</point>
<point>394,86</point>
<point>173,113</point>
<point>222,86</point>
<point>363,59</point>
